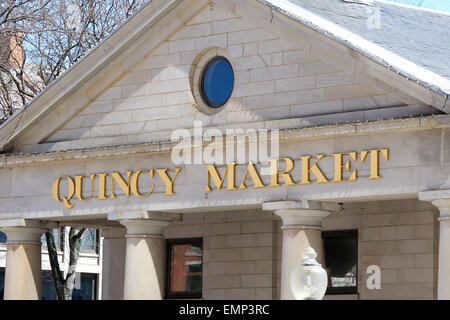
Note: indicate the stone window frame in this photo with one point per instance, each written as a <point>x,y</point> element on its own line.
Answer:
<point>197,71</point>
<point>168,245</point>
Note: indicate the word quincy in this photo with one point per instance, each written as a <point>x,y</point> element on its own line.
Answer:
<point>75,186</point>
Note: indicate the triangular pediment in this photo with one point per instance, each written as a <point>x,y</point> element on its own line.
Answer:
<point>146,91</point>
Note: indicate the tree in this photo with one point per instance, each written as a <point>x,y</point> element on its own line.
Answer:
<point>14,91</point>
<point>39,40</point>
<point>43,38</point>
<point>64,286</point>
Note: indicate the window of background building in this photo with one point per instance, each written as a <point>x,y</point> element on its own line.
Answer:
<point>341,261</point>
<point>58,235</point>
<point>89,243</point>
<point>184,268</point>
<point>85,286</point>
<point>2,237</point>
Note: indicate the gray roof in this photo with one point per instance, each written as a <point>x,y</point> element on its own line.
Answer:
<point>420,36</point>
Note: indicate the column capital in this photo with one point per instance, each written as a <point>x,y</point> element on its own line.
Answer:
<point>141,224</point>
<point>25,231</point>
<point>295,216</point>
<point>116,233</point>
<point>440,199</point>
<point>141,228</point>
<point>146,215</point>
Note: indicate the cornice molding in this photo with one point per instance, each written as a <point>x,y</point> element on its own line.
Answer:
<point>290,134</point>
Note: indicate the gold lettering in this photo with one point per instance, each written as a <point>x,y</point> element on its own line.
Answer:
<point>257,183</point>
<point>374,160</point>
<point>135,184</point>
<point>338,166</point>
<point>117,178</point>
<point>212,171</point>
<point>79,187</point>
<point>306,169</point>
<point>167,181</point>
<point>131,186</point>
<point>71,191</point>
<point>285,174</point>
<point>101,186</point>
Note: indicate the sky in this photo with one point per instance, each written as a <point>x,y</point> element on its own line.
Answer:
<point>441,5</point>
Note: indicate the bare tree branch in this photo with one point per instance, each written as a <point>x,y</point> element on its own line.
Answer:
<point>75,238</point>
<point>65,285</point>
<point>40,39</point>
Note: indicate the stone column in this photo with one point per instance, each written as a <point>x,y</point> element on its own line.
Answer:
<point>113,273</point>
<point>301,229</point>
<point>441,199</point>
<point>145,254</point>
<point>23,258</point>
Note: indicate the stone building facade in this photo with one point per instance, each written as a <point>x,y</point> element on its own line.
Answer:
<point>364,149</point>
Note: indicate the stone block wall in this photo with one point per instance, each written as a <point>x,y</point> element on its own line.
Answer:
<point>401,237</point>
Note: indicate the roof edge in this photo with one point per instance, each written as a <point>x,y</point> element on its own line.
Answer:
<point>389,60</point>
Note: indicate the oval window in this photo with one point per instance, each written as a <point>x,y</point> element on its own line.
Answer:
<point>217,82</point>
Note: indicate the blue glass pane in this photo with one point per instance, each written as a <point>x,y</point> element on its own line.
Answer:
<point>218,82</point>
<point>48,286</point>
<point>84,286</point>
<point>2,282</point>
<point>2,237</point>
<point>55,236</point>
<point>88,241</point>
